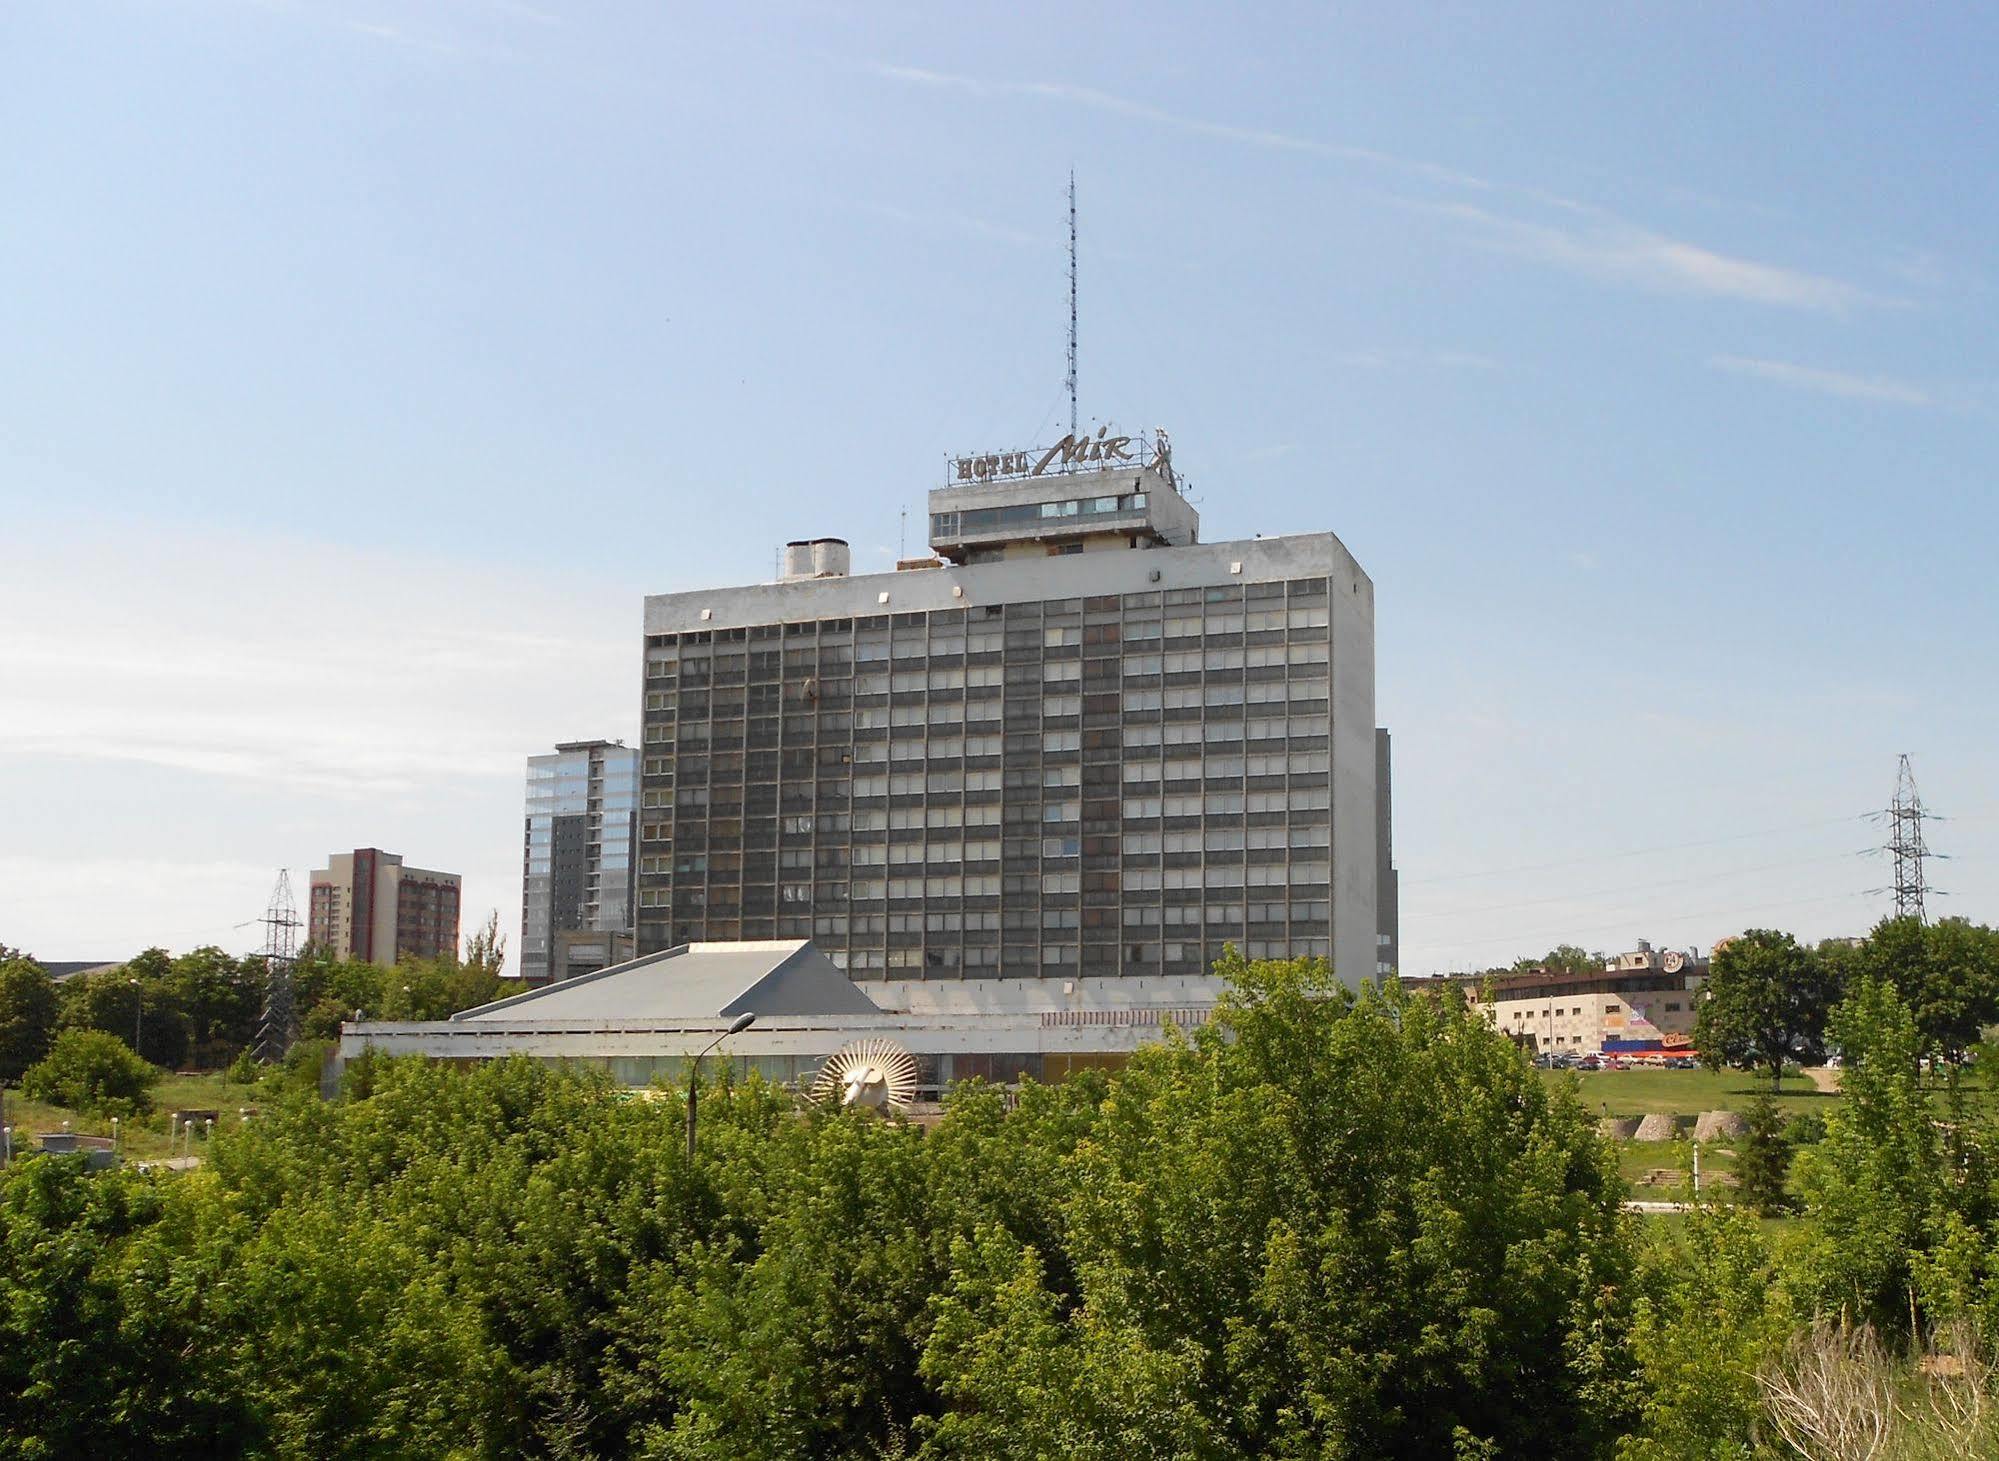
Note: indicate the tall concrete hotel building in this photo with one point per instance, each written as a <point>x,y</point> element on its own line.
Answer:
<point>1076,741</point>
<point>578,846</point>
<point>369,905</point>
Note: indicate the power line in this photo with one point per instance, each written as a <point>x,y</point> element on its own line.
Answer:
<point>1649,886</point>
<point>1691,913</point>
<point>1596,857</point>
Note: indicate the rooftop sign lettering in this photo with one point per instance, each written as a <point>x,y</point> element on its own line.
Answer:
<point>1101,450</point>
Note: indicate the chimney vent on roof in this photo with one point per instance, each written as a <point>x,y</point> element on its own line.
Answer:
<point>815,558</point>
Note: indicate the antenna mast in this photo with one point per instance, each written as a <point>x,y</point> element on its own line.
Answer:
<point>280,920</point>
<point>1905,842</point>
<point>1072,301</point>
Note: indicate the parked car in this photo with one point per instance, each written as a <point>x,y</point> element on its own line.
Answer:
<point>1589,1062</point>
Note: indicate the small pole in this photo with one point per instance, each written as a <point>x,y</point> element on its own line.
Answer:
<point>1697,1167</point>
<point>114,1133</point>
<point>693,1098</point>
<point>6,1146</point>
<point>741,1023</point>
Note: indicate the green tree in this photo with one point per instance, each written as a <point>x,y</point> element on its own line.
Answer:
<point>1874,1187</point>
<point>1765,1002</point>
<point>131,1000</point>
<point>1708,1319</point>
<point>28,1012</point>
<point>1562,959</point>
<point>1328,1224</point>
<point>90,1071</point>
<point>103,1351</point>
<point>326,990</point>
<point>1763,1158</point>
<point>220,998</point>
<point>1947,973</point>
<point>486,947</point>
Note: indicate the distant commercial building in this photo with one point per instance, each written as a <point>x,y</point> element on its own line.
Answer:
<point>61,970</point>
<point>369,905</point>
<point>578,849</point>
<point>1641,1002</point>
<point>643,1021</point>
<point>1074,743</point>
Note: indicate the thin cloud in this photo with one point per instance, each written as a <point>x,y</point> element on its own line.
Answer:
<point>1595,242</point>
<point>1105,101</point>
<point>1408,357</point>
<point>1613,250</point>
<point>1826,382</point>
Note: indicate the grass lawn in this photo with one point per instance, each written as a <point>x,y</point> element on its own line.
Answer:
<point>1638,1159</point>
<point>1684,1092</point>
<point>1667,1227</point>
<point>141,1138</point>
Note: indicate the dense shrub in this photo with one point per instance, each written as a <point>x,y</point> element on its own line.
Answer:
<point>95,1073</point>
<point>1329,1225</point>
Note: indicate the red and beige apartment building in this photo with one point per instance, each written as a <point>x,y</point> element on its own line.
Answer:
<point>370,905</point>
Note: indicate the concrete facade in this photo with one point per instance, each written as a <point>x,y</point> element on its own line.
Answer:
<point>369,905</point>
<point>579,847</point>
<point>1387,882</point>
<point>1054,763</point>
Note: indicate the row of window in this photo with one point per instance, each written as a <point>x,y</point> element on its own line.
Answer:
<point>1061,956</point>
<point>699,735</point>
<point>993,885</point>
<point>1300,658</point>
<point>873,819</point>
<point>840,928</point>
<point>945,526</point>
<point>949,744</point>
<point>701,663</point>
<point>1024,611</point>
<point>892,854</point>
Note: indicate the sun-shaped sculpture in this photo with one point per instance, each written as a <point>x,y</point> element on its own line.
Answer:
<point>878,1075</point>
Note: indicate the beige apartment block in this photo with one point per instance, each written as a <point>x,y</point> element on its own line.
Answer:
<point>369,905</point>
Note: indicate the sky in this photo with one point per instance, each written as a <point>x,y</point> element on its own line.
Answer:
<point>363,363</point>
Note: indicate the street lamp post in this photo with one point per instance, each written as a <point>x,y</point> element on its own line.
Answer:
<point>741,1023</point>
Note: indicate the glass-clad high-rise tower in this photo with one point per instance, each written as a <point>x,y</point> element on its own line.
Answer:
<point>1076,740</point>
<point>577,857</point>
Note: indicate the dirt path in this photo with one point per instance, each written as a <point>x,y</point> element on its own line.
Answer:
<point>1824,1077</point>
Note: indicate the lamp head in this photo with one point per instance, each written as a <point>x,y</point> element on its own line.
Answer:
<point>742,1022</point>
